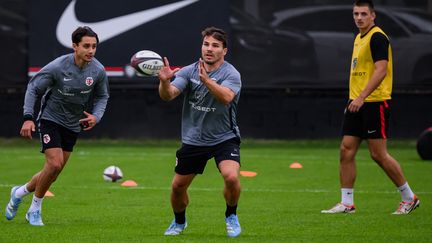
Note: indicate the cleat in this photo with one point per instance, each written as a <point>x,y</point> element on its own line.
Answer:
<point>407,207</point>
<point>340,208</point>
<point>12,207</point>
<point>175,229</point>
<point>233,226</point>
<point>35,218</point>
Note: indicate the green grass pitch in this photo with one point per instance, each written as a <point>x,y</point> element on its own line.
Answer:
<point>278,205</point>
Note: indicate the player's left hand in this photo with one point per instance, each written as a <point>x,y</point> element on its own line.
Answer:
<point>89,122</point>
<point>356,104</point>
<point>202,71</point>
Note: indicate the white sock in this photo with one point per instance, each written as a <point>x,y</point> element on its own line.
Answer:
<point>36,204</point>
<point>22,191</point>
<point>347,196</point>
<point>406,193</point>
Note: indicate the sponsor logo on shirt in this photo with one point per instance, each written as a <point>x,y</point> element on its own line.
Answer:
<point>202,108</point>
<point>66,91</point>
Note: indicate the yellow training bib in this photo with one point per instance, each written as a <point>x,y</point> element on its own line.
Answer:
<point>363,66</point>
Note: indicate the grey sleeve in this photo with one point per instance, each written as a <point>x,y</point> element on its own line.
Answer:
<point>180,80</point>
<point>101,95</point>
<point>233,81</point>
<point>36,87</point>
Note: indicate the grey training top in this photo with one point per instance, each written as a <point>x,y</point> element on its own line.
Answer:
<point>205,121</point>
<point>66,90</point>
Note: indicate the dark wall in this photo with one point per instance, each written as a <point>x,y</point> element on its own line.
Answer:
<point>275,114</point>
<point>284,113</point>
<point>13,42</point>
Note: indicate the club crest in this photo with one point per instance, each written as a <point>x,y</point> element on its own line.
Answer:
<point>46,138</point>
<point>89,81</point>
<point>354,63</point>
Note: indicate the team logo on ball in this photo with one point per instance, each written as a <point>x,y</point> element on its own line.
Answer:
<point>89,81</point>
<point>46,138</point>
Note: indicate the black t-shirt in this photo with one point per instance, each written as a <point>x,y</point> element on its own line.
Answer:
<point>379,47</point>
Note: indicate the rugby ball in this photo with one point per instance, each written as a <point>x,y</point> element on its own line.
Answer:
<point>147,63</point>
<point>112,174</point>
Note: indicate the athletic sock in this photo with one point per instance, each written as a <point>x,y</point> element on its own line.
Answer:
<point>347,196</point>
<point>22,191</point>
<point>36,204</point>
<point>406,193</point>
<point>230,210</point>
<point>180,218</point>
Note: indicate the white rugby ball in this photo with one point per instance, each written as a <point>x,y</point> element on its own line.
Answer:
<point>147,63</point>
<point>112,174</point>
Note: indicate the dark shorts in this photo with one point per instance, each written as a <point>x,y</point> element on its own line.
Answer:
<point>193,159</point>
<point>53,135</point>
<point>370,122</point>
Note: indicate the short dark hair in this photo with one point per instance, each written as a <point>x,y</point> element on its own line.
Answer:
<point>82,31</point>
<point>218,34</point>
<point>368,3</point>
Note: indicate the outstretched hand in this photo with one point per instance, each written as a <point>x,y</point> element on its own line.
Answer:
<point>202,71</point>
<point>89,122</point>
<point>166,73</point>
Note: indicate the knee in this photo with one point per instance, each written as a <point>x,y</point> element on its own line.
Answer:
<point>346,153</point>
<point>54,167</point>
<point>378,157</point>
<point>178,187</point>
<point>231,179</point>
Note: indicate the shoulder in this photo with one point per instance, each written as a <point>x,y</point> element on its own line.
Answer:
<point>379,35</point>
<point>187,70</point>
<point>61,60</point>
<point>57,64</point>
<point>230,69</point>
<point>379,41</point>
<point>97,65</point>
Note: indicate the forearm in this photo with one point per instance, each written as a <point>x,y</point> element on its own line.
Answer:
<point>29,102</point>
<point>99,107</point>
<point>376,79</point>
<point>167,92</point>
<point>222,94</point>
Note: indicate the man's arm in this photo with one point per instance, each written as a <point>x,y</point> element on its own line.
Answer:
<point>167,91</point>
<point>379,47</point>
<point>101,96</point>
<point>377,77</point>
<point>35,88</point>
<point>222,94</point>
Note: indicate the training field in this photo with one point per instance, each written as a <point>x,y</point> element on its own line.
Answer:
<point>280,204</point>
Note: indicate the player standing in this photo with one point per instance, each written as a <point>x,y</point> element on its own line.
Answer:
<point>368,111</point>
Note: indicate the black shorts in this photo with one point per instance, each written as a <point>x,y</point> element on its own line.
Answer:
<point>193,159</point>
<point>53,135</point>
<point>371,121</point>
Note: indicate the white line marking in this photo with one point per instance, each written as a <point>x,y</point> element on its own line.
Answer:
<point>305,190</point>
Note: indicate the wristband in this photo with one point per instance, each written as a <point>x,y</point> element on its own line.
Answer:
<point>28,117</point>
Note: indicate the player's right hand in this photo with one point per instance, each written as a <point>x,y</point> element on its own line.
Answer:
<point>27,128</point>
<point>166,73</point>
